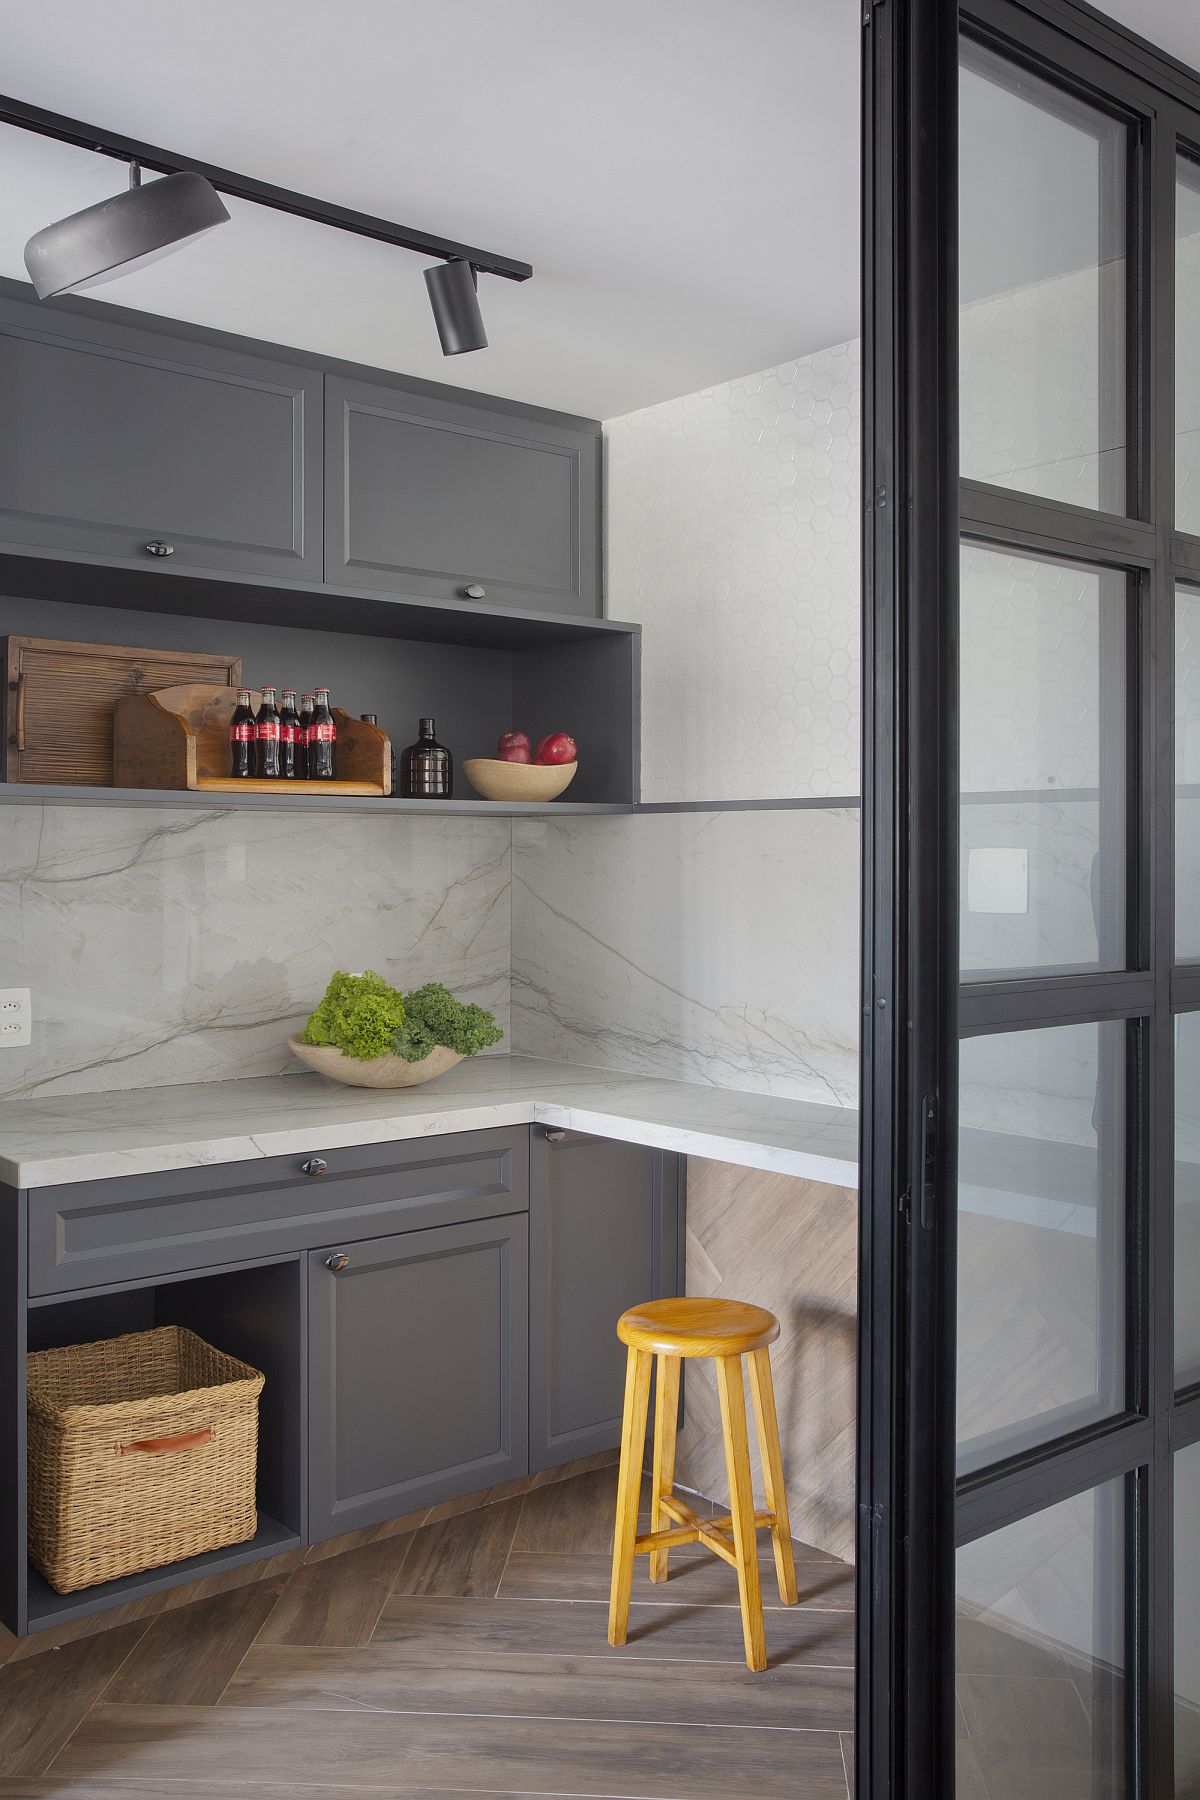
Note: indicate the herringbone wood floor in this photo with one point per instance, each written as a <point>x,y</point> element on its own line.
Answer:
<point>459,1653</point>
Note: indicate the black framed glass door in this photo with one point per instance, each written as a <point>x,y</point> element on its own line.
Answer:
<point>1031,1135</point>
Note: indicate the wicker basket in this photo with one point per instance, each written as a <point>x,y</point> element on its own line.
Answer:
<point>142,1451</point>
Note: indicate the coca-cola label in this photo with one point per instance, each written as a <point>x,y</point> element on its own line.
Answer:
<point>267,731</point>
<point>242,732</point>
<point>290,734</point>
<point>322,733</point>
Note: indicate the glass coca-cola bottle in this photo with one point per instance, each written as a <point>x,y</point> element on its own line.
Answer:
<point>306,713</point>
<point>266,736</point>
<point>291,759</point>
<point>242,760</point>
<point>322,736</point>
<point>426,768</point>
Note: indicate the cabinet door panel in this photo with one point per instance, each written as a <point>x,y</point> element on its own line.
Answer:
<point>604,1234</point>
<point>426,497</point>
<point>120,436</point>
<point>418,1370</point>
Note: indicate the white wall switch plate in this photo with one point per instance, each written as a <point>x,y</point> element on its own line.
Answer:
<point>998,881</point>
<point>16,1018</point>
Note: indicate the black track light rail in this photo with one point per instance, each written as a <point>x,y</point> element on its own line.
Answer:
<point>261,193</point>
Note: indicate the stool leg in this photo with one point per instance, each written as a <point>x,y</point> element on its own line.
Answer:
<point>666,1418</point>
<point>762,1393</point>
<point>741,1506</point>
<point>629,1486</point>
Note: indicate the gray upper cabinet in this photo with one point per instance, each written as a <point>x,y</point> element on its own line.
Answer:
<point>117,438</point>
<point>417,1370</point>
<point>605,1221</point>
<point>427,497</point>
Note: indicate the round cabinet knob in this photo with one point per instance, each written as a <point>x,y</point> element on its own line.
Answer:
<point>156,547</point>
<point>337,1262</point>
<point>556,1137</point>
<point>316,1165</point>
<point>475,592</point>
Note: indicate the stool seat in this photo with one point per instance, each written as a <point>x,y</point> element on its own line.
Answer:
<point>697,1327</point>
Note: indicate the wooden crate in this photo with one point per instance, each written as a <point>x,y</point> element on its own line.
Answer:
<point>60,697</point>
<point>179,739</point>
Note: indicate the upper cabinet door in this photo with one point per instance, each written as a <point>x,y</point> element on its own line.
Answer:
<point>118,438</point>
<point>427,497</point>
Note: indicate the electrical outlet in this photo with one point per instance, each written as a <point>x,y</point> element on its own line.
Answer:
<point>16,1017</point>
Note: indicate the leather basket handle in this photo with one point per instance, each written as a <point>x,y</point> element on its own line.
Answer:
<point>187,1440</point>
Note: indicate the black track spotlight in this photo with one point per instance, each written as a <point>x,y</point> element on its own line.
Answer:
<point>116,235</point>
<point>455,302</point>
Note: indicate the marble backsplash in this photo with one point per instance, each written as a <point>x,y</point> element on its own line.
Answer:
<point>718,947</point>
<point>166,946</point>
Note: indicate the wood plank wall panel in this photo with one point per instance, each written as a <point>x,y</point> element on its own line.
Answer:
<point>790,1245</point>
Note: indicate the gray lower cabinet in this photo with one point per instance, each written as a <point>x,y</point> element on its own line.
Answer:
<point>417,1370</point>
<point>605,1224</point>
<point>428,497</point>
<point>120,439</point>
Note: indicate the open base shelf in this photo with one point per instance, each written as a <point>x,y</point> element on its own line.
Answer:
<point>48,1608</point>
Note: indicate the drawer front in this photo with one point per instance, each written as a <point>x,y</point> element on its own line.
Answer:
<point>94,1233</point>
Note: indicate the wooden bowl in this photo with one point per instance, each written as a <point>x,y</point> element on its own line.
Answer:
<point>380,1072</point>
<point>496,780</point>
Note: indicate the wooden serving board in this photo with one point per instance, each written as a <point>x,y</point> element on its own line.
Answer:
<point>178,738</point>
<point>250,784</point>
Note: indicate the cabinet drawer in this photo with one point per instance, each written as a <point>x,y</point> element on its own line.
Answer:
<point>92,1233</point>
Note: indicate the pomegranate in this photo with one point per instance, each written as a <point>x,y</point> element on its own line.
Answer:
<point>514,740</point>
<point>514,752</point>
<point>556,747</point>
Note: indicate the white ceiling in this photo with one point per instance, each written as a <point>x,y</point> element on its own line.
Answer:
<point>681,173</point>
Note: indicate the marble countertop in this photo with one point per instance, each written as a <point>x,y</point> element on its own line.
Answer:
<point>82,1137</point>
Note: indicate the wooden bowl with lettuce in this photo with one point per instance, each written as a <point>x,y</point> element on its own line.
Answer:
<point>365,1033</point>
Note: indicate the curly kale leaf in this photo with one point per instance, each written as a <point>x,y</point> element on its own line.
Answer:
<point>433,1016</point>
<point>359,1015</point>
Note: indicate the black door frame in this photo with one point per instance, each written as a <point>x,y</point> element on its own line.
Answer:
<point>910,1512</point>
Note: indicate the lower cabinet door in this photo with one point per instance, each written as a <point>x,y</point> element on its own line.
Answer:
<point>605,1224</point>
<point>417,1370</point>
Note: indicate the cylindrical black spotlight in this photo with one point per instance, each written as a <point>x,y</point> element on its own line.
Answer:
<point>455,302</point>
<point>116,235</point>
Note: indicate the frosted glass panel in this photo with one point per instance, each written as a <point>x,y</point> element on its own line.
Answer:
<point>1187,1200</point>
<point>1041,288</point>
<point>1187,1623</point>
<point>1187,348</point>
<point>1042,816</point>
<point>1040,1655</point>
<point>1040,1236</point>
<point>1187,773</point>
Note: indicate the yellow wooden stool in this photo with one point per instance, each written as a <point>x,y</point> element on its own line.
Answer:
<point>725,1330</point>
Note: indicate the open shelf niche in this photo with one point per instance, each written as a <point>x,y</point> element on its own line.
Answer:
<point>477,673</point>
<point>254,1313</point>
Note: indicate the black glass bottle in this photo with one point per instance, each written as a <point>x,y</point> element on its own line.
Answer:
<point>426,768</point>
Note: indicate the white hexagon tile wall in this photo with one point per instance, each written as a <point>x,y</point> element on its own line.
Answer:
<point>733,537</point>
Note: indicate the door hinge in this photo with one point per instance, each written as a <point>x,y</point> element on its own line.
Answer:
<point>929,1161</point>
<point>868,8</point>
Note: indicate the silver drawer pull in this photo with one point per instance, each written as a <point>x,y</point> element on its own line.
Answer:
<point>157,547</point>
<point>475,592</point>
<point>337,1262</point>
<point>316,1165</point>
<point>556,1137</point>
